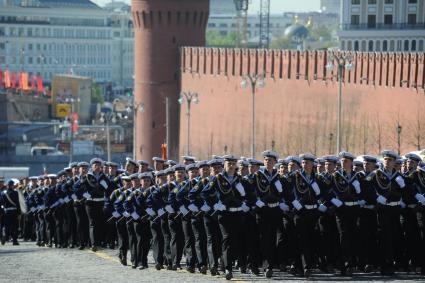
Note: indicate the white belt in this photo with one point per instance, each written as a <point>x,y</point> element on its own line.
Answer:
<point>393,203</point>
<point>307,206</point>
<point>235,209</point>
<point>411,205</point>
<point>371,206</point>
<point>351,203</point>
<point>271,205</point>
<point>10,208</point>
<point>97,199</point>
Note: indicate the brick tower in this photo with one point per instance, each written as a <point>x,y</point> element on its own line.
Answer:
<point>161,27</point>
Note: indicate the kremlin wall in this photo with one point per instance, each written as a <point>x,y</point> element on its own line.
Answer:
<point>296,110</point>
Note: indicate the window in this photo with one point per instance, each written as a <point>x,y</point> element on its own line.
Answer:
<point>371,2</point>
<point>413,1</point>
<point>389,1</point>
<point>378,45</point>
<point>392,45</point>
<point>342,45</point>
<point>356,45</point>
<point>349,45</point>
<point>388,19</point>
<point>2,31</point>
<point>411,19</point>
<point>406,45</point>
<point>29,31</point>
<point>370,45</point>
<point>384,45</point>
<point>371,21</point>
<point>421,45</point>
<point>355,19</point>
<point>413,47</point>
<point>355,2</point>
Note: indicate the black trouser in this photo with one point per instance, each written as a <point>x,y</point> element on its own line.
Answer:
<point>250,242</point>
<point>328,240</point>
<point>50,227</point>
<point>167,240</point>
<point>122,237</point>
<point>200,240</point>
<point>189,242</point>
<point>29,227</point>
<point>346,222</point>
<point>288,251</point>
<point>110,230</point>
<point>10,225</point>
<point>143,236</point>
<point>58,217</point>
<point>157,241</point>
<point>305,222</point>
<point>268,220</point>
<point>177,238</point>
<point>389,234</point>
<point>411,237</point>
<point>132,241</point>
<point>70,224</point>
<point>230,225</point>
<point>38,237</point>
<point>368,249</point>
<point>212,230</point>
<point>82,223</point>
<point>41,227</point>
<point>420,216</point>
<point>95,215</point>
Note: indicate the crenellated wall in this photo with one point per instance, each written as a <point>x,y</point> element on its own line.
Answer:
<point>296,110</point>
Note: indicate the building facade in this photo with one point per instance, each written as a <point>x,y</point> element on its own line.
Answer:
<point>61,37</point>
<point>382,25</point>
<point>330,6</point>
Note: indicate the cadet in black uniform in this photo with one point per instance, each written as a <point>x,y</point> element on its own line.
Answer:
<point>9,200</point>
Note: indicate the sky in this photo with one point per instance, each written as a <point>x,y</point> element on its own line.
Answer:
<point>276,6</point>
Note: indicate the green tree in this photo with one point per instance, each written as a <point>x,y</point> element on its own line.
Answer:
<point>215,39</point>
<point>96,94</point>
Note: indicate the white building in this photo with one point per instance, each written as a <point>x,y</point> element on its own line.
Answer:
<point>330,6</point>
<point>60,36</point>
<point>382,25</point>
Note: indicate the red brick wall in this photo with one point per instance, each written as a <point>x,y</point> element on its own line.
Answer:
<point>297,107</point>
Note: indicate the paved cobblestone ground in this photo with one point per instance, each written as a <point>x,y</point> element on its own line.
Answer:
<point>29,263</point>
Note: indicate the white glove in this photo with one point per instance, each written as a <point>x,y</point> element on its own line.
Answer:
<point>87,195</point>
<point>169,209</point>
<point>362,202</point>
<point>336,202</point>
<point>400,181</point>
<point>192,207</point>
<point>322,207</point>
<point>402,204</point>
<point>356,186</point>
<point>381,200</point>
<point>278,186</point>
<point>297,204</point>
<point>316,188</point>
<point>161,212</point>
<point>104,184</point>
<point>33,209</point>
<point>205,208</point>
<point>284,206</point>
<point>135,215</point>
<point>260,203</point>
<point>74,196</point>
<point>216,206</point>
<point>244,207</point>
<point>150,211</point>
<point>183,210</point>
<point>221,207</point>
<point>66,199</point>
<point>126,214</point>
<point>240,189</point>
<point>420,198</point>
<point>116,214</point>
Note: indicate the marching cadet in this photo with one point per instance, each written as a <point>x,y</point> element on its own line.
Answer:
<point>58,213</point>
<point>188,160</point>
<point>230,195</point>
<point>282,167</point>
<point>416,180</point>
<point>158,163</point>
<point>9,200</point>
<point>243,167</point>
<point>294,163</point>
<point>39,203</point>
<point>306,190</point>
<point>174,219</point>
<point>110,229</point>
<point>212,229</point>
<point>388,185</point>
<point>327,225</point>
<point>410,225</point>
<point>183,203</point>
<point>357,165</point>
<point>346,190</point>
<point>50,205</point>
<point>368,249</point>
<point>70,220</point>
<point>320,165</point>
<point>79,205</point>
<point>29,224</point>
<point>197,221</point>
<point>250,256</point>
<point>116,203</point>
<point>143,166</point>
<point>170,163</point>
<point>269,196</point>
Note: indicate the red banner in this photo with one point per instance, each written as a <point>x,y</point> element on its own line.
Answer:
<point>39,83</point>
<point>75,123</point>
<point>1,78</point>
<point>24,79</point>
<point>13,80</point>
<point>7,79</point>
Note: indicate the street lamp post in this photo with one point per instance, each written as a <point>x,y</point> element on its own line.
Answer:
<point>189,97</point>
<point>135,108</point>
<point>398,129</point>
<point>255,80</point>
<point>71,101</point>
<point>343,61</point>
<point>107,116</point>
